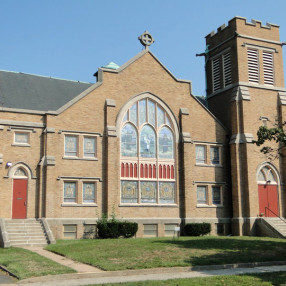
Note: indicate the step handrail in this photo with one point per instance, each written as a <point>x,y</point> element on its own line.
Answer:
<point>275,214</point>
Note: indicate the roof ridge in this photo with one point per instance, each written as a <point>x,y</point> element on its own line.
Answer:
<point>43,76</point>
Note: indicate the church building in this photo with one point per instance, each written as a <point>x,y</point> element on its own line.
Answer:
<point>139,145</point>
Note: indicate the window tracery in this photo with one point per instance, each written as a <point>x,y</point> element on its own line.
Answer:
<point>147,155</point>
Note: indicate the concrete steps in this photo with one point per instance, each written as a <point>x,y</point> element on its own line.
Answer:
<point>25,232</point>
<point>277,225</point>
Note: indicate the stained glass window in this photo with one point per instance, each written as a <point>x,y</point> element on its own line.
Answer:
<point>133,113</point>
<point>148,192</point>
<point>166,143</point>
<point>161,116</point>
<point>216,194</point>
<point>200,154</point>
<point>71,143</point>
<point>201,194</point>
<point>167,192</point>
<point>147,142</point>
<point>20,173</point>
<point>142,111</point>
<point>146,126</point>
<point>214,155</point>
<point>88,192</point>
<point>151,112</point>
<point>89,147</point>
<point>129,141</point>
<point>70,192</point>
<point>129,192</point>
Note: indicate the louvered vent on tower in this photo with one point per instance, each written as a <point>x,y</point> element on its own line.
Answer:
<point>268,71</point>
<point>216,74</point>
<point>253,65</point>
<point>227,69</point>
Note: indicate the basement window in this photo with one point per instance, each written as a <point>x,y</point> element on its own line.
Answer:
<point>70,231</point>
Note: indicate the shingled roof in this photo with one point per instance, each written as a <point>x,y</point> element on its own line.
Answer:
<point>33,92</point>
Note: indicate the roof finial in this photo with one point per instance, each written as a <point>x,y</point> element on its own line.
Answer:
<point>146,39</point>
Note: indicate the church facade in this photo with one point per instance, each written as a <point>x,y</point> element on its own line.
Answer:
<point>139,145</point>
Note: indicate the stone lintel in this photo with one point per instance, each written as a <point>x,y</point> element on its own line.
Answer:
<point>282,97</point>
<point>184,111</point>
<point>111,131</point>
<point>240,93</point>
<point>241,138</point>
<point>187,137</point>
<point>110,102</point>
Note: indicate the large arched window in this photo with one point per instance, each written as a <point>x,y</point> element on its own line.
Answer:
<point>147,155</point>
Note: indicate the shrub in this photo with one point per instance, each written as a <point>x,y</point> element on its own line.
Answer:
<point>128,229</point>
<point>197,229</point>
<point>113,228</point>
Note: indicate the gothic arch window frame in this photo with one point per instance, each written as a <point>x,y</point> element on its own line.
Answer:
<point>23,166</point>
<point>265,173</point>
<point>148,179</point>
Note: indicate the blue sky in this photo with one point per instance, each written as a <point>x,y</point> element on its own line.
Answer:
<point>70,39</point>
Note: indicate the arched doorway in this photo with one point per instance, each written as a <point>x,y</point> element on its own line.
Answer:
<point>20,186</point>
<point>267,180</point>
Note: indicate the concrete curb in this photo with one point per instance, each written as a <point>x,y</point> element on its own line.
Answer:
<point>9,272</point>
<point>133,272</point>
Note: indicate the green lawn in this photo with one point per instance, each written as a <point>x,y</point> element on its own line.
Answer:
<point>139,253</point>
<point>25,264</point>
<point>265,279</point>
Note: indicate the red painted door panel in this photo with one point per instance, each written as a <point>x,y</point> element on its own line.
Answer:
<point>19,208</point>
<point>268,199</point>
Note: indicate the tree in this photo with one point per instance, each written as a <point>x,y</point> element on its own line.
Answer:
<point>276,134</point>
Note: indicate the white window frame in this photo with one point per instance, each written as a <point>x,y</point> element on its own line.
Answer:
<point>206,193</point>
<point>17,132</point>
<point>205,154</point>
<point>219,155</point>
<point>95,192</point>
<point>220,191</point>
<point>95,147</point>
<point>77,145</point>
<point>76,191</point>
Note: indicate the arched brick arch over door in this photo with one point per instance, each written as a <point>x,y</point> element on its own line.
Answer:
<point>268,191</point>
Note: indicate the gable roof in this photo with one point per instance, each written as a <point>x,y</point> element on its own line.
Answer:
<point>33,92</point>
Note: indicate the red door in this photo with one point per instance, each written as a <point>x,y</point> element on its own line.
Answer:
<point>19,208</point>
<point>268,200</point>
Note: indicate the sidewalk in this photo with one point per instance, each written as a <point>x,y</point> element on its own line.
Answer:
<point>87,274</point>
<point>139,275</point>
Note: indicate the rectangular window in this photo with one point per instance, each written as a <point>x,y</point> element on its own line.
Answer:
<point>89,231</point>
<point>226,69</point>
<point>71,145</point>
<point>88,192</point>
<point>150,230</point>
<point>216,74</point>
<point>170,229</point>
<point>70,192</point>
<point>268,70</point>
<point>89,147</point>
<point>216,195</point>
<point>21,138</point>
<point>200,154</point>
<point>253,65</point>
<point>70,231</point>
<point>214,155</point>
<point>202,195</point>
<point>129,192</point>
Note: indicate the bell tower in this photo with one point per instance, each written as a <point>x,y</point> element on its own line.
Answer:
<point>245,89</point>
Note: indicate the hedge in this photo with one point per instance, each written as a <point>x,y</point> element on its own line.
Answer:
<point>197,229</point>
<point>116,229</point>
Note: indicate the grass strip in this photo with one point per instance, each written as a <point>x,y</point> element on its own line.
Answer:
<point>261,279</point>
<point>25,264</point>
<point>140,253</point>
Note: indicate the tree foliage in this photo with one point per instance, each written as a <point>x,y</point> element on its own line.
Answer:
<point>275,134</point>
